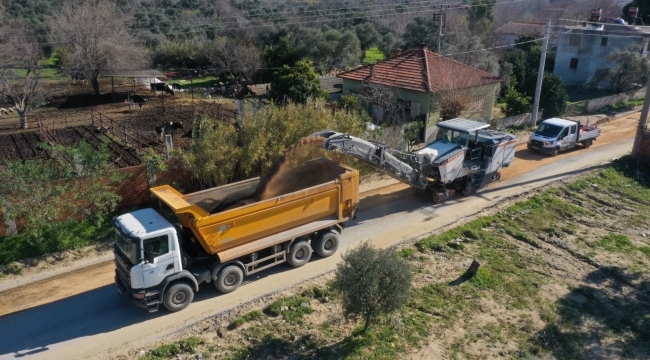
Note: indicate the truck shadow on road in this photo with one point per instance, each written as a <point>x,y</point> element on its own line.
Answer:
<point>526,154</point>
<point>35,331</point>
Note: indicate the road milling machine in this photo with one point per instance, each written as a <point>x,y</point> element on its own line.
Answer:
<point>466,156</point>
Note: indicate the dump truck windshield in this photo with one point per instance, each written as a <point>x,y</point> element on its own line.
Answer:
<point>452,136</point>
<point>548,130</point>
<point>130,250</point>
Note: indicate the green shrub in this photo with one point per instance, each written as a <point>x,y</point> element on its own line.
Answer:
<point>187,346</point>
<point>294,311</point>
<point>251,316</point>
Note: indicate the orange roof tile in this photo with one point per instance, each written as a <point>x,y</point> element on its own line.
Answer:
<point>422,70</point>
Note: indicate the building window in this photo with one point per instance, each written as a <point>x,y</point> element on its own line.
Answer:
<point>603,41</point>
<point>574,40</point>
<point>415,109</point>
<point>478,103</point>
<point>574,63</point>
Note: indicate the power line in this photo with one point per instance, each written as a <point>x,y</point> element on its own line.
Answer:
<point>347,15</point>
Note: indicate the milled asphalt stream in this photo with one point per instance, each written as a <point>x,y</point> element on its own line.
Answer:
<point>99,323</point>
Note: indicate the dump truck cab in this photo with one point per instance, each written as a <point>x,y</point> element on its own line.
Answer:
<point>147,257</point>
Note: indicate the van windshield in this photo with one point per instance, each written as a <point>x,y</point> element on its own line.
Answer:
<point>548,130</point>
<point>130,250</point>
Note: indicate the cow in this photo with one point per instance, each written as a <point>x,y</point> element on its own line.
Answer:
<point>132,100</point>
<point>168,127</point>
<point>161,86</point>
<point>176,87</point>
<point>78,76</point>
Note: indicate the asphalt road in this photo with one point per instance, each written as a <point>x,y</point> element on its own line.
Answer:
<point>99,323</point>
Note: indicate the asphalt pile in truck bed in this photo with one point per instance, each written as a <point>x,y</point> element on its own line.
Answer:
<point>283,177</point>
<point>287,174</point>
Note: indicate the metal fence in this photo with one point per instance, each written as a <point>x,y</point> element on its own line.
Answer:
<point>124,134</point>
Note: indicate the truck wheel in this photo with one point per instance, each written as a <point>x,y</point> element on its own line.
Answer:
<point>586,144</point>
<point>555,152</point>
<point>467,187</point>
<point>299,254</point>
<point>178,297</point>
<point>229,279</point>
<point>327,244</point>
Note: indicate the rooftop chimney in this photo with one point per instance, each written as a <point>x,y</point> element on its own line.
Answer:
<point>372,71</point>
<point>596,14</point>
<point>396,52</point>
<point>423,46</point>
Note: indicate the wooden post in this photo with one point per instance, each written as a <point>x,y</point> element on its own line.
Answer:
<point>113,88</point>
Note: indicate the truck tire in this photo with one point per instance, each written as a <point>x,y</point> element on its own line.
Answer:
<point>555,151</point>
<point>178,296</point>
<point>229,279</point>
<point>327,244</point>
<point>299,254</point>
<point>586,143</point>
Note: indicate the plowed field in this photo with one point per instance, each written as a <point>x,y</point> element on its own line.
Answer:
<point>26,145</point>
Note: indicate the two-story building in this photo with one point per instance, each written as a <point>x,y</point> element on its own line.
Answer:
<point>582,49</point>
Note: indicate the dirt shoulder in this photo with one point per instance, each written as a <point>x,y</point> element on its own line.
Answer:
<point>563,275</point>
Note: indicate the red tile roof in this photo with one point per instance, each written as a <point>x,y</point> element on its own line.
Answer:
<point>422,70</point>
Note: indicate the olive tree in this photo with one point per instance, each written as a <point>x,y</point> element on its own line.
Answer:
<point>372,282</point>
<point>628,68</point>
<point>98,38</point>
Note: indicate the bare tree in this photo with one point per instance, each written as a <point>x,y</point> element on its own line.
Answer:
<point>457,93</point>
<point>582,10</point>
<point>97,36</point>
<point>235,57</point>
<point>20,73</point>
<point>386,109</point>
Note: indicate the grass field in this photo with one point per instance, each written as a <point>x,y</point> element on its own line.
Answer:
<point>373,55</point>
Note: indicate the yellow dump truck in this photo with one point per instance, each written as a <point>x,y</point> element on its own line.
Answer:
<point>227,232</point>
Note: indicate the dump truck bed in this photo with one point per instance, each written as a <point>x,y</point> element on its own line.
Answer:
<point>230,221</point>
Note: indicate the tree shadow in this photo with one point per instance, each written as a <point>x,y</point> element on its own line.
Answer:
<point>600,319</point>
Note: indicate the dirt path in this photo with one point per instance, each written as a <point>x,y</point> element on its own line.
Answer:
<point>378,191</point>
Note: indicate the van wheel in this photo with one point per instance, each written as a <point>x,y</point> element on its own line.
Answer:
<point>587,144</point>
<point>178,297</point>
<point>299,254</point>
<point>229,279</point>
<point>327,244</point>
<point>555,152</point>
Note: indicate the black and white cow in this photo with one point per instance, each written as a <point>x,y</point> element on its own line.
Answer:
<point>132,100</point>
<point>168,127</point>
<point>161,86</point>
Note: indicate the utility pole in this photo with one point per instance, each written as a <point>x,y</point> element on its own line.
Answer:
<point>642,121</point>
<point>440,19</point>
<point>540,73</point>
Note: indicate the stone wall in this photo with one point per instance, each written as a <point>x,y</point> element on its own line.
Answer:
<point>595,104</point>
